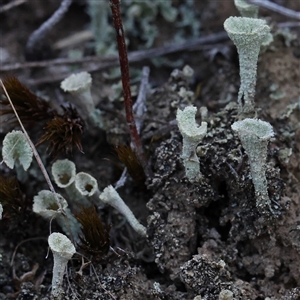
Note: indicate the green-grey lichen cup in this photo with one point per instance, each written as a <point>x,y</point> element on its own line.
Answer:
<point>254,135</point>
<point>247,34</point>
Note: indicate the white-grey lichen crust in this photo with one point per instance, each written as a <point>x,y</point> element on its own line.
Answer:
<point>61,245</point>
<point>86,184</point>
<point>255,135</point>
<point>63,171</point>
<point>16,149</point>
<point>247,34</point>
<point>111,196</point>
<point>246,9</point>
<point>77,83</point>
<point>192,135</point>
<point>63,250</point>
<point>261,129</point>
<point>45,205</point>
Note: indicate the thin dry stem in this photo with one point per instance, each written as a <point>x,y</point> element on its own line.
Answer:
<point>276,8</point>
<point>11,5</point>
<point>21,243</point>
<point>101,63</point>
<point>124,66</point>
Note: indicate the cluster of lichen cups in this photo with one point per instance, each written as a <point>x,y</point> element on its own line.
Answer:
<point>82,189</point>
<point>247,34</point>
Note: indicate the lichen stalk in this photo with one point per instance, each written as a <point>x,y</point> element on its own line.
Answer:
<point>63,250</point>
<point>192,135</point>
<point>255,135</point>
<point>247,34</point>
<point>110,196</point>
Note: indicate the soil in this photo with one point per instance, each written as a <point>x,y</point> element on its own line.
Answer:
<point>205,240</point>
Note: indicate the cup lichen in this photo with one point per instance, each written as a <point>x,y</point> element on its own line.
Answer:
<point>192,135</point>
<point>245,9</point>
<point>63,250</point>
<point>247,34</point>
<point>254,135</point>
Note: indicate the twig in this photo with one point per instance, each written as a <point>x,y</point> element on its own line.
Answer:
<point>124,65</point>
<point>77,38</point>
<point>276,8</point>
<point>139,109</point>
<point>162,131</point>
<point>139,106</point>
<point>24,241</point>
<point>11,5</point>
<point>122,179</point>
<point>57,62</point>
<point>288,24</point>
<point>112,60</point>
<point>38,35</point>
<point>133,57</point>
<point>35,153</point>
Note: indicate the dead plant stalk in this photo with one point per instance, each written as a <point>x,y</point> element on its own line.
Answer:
<point>124,66</point>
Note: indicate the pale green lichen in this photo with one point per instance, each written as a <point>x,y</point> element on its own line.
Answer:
<point>246,9</point>
<point>45,205</point>
<point>110,196</point>
<point>63,250</point>
<point>79,85</point>
<point>64,174</point>
<point>86,184</point>
<point>16,149</point>
<point>247,34</point>
<point>192,135</point>
<point>254,135</point>
<point>103,31</point>
<point>139,22</point>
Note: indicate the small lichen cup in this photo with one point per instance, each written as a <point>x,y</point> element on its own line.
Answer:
<point>79,85</point>
<point>247,34</point>
<point>192,135</point>
<point>86,184</point>
<point>64,174</point>
<point>45,205</point>
<point>254,135</point>
<point>63,250</point>
<point>245,9</point>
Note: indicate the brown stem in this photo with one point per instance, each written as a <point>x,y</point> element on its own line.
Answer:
<point>124,65</point>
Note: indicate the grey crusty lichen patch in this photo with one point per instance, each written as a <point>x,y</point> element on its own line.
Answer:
<point>205,275</point>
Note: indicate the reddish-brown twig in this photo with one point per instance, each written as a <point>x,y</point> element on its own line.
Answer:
<point>124,65</point>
